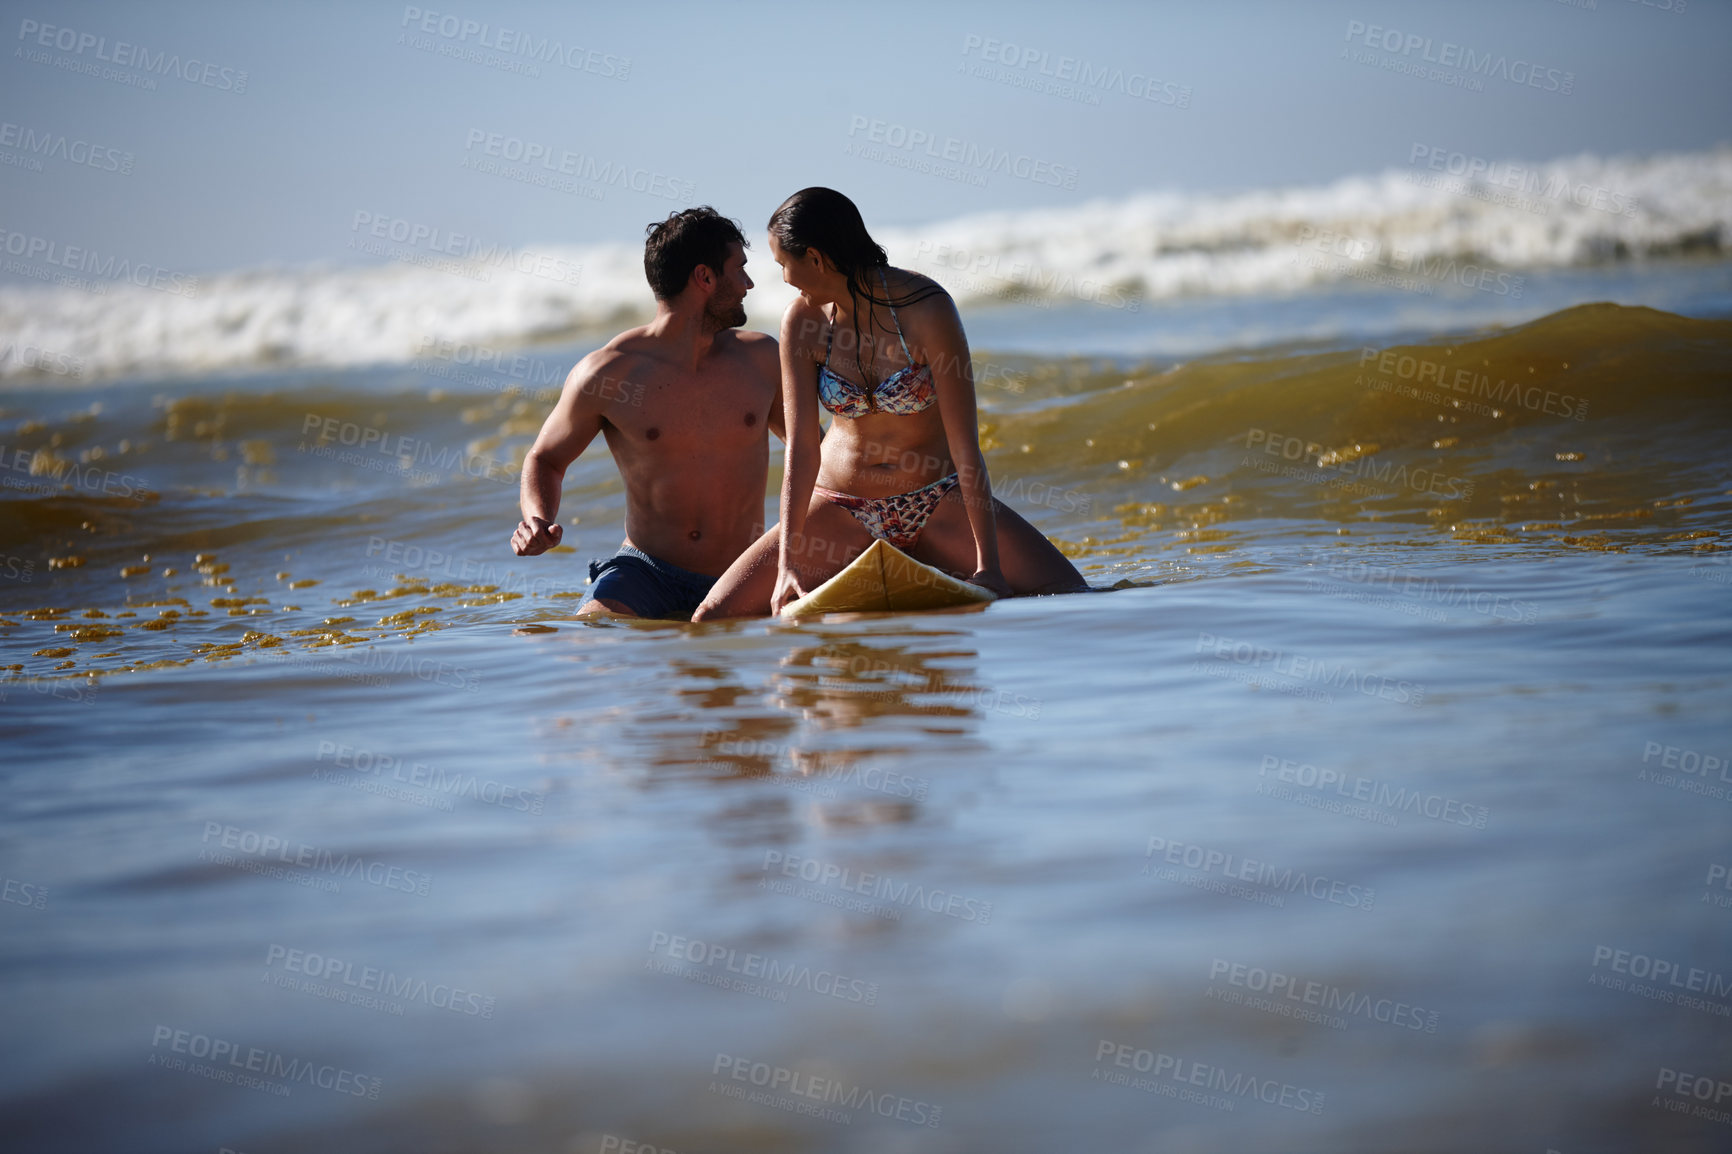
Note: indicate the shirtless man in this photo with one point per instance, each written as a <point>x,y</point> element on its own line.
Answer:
<point>685,403</point>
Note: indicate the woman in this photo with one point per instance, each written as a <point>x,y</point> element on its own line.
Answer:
<point>883,350</point>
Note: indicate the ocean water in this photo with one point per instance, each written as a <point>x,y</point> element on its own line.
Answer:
<point>1384,803</point>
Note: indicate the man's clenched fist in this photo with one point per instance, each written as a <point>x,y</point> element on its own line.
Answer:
<point>535,536</point>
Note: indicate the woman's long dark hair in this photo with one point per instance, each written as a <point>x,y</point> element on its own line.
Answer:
<point>824,219</point>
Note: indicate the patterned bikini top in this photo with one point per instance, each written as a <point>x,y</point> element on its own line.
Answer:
<point>909,389</point>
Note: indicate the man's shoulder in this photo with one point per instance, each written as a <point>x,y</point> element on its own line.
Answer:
<point>608,364</point>
<point>754,349</point>
<point>630,352</point>
<point>749,343</point>
<point>635,342</point>
<point>752,338</point>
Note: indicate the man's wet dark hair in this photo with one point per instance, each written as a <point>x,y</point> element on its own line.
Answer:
<point>682,242</point>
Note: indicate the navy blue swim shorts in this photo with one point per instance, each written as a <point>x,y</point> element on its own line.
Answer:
<point>647,586</point>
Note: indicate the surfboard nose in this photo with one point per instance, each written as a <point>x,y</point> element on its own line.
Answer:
<point>884,579</point>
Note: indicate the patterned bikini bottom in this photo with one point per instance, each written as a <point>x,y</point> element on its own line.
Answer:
<point>897,519</point>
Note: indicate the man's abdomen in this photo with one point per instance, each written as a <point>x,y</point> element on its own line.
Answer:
<point>702,523</point>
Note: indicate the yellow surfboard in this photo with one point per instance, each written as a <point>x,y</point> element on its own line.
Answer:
<point>884,579</point>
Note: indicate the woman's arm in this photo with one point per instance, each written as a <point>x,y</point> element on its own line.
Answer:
<point>800,326</point>
<point>939,330</point>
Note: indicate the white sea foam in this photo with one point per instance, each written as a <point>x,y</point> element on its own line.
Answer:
<point>1119,254</point>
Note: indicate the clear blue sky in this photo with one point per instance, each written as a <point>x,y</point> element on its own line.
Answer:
<point>748,102</point>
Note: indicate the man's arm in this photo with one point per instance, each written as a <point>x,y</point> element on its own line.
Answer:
<point>764,354</point>
<point>773,367</point>
<point>567,432</point>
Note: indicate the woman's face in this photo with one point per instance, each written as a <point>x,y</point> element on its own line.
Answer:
<point>803,273</point>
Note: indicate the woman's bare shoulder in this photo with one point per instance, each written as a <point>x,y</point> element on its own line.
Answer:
<point>929,308</point>
<point>908,284</point>
<point>804,325</point>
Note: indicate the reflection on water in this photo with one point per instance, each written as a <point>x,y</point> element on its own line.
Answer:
<point>801,727</point>
<point>848,683</point>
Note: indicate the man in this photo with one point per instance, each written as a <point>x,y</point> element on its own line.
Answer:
<point>684,403</point>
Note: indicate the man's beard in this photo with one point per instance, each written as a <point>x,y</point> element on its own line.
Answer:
<point>719,314</point>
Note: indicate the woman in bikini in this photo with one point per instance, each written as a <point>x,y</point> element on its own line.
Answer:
<point>883,350</point>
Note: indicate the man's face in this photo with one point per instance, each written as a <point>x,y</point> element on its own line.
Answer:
<point>726,308</point>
